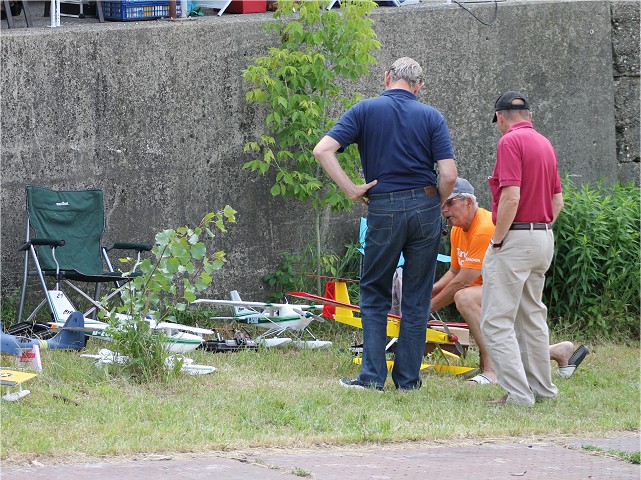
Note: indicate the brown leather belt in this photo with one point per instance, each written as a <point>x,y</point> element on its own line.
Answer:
<point>430,190</point>
<point>530,226</point>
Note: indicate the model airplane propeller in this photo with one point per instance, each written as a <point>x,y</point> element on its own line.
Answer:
<point>275,318</point>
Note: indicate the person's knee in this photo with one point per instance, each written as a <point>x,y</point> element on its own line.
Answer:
<point>463,299</point>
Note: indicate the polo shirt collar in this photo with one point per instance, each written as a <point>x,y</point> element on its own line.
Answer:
<point>519,125</point>
<point>399,92</point>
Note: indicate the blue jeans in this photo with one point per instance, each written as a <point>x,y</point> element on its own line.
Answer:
<point>408,221</point>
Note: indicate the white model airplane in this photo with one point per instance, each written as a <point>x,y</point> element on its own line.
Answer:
<point>180,338</point>
<point>276,318</point>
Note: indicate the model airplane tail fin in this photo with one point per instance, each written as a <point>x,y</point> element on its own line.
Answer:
<point>72,336</point>
<point>239,310</point>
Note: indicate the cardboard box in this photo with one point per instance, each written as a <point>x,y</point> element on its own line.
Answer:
<point>247,6</point>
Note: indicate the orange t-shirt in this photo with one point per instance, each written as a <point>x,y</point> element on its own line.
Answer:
<point>468,248</point>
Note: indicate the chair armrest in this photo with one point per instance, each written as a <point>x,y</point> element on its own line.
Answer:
<point>139,247</point>
<point>42,241</point>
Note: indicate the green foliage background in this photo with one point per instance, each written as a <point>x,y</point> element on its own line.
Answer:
<point>593,283</point>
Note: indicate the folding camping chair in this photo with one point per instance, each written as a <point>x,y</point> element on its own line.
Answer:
<point>64,233</point>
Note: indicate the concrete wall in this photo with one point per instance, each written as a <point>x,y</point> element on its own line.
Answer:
<point>154,113</point>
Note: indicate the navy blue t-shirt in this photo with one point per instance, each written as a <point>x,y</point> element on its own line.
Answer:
<point>399,139</point>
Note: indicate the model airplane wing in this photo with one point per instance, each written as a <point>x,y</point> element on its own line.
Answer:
<point>89,326</point>
<point>261,305</point>
<point>179,326</point>
<point>333,302</point>
<point>356,308</point>
<point>10,378</point>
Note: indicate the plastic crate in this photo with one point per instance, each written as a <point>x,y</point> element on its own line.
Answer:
<point>246,6</point>
<point>125,10</point>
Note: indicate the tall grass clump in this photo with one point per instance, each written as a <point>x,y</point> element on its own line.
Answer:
<point>593,282</point>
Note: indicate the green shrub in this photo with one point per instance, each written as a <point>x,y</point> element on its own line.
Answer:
<point>593,283</point>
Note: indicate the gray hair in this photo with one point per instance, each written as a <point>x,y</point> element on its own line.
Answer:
<point>469,195</point>
<point>515,115</point>
<point>407,69</point>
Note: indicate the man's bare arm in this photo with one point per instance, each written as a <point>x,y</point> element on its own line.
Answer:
<point>444,280</point>
<point>325,153</point>
<point>465,278</point>
<point>447,174</point>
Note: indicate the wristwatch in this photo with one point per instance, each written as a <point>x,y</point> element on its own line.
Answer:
<point>496,245</point>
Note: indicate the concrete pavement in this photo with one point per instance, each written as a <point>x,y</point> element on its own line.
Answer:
<point>479,459</point>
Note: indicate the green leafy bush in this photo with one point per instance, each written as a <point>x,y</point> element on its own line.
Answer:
<point>593,283</point>
<point>301,81</point>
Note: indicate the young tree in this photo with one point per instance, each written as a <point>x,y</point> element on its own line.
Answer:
<point>178,269</point>
<point>303,83</point>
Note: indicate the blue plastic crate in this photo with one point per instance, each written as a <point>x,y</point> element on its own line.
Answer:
<point>137,9</point>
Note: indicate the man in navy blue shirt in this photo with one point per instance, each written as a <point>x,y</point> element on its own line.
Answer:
<point>401,141</point>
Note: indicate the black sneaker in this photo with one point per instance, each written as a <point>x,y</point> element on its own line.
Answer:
<point>356,383</point>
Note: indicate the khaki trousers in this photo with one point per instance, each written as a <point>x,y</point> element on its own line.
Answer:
<point>514,317</point>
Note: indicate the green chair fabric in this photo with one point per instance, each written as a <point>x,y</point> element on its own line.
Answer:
<point>77,217</point>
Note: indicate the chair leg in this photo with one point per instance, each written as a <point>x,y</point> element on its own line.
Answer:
<point>101,16</point>
<point>27,13</point>
<point>7,12</point>
<point>23,292</point>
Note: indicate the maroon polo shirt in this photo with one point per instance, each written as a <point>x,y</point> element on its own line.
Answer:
<point>526,159</point>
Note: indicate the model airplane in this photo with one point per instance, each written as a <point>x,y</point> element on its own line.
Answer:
<point>106,357</point>
<point>70,337</point>
<point>447,337</point>
<point>179,338</point>
<point>275,318</point>
<point>14,378</point>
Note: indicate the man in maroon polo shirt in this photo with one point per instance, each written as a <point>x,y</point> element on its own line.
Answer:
<point>526,199</point>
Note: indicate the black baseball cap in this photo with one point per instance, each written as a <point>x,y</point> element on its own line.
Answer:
<point>504,102</point>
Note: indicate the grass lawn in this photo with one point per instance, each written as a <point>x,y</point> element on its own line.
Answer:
<point>291,397</point>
